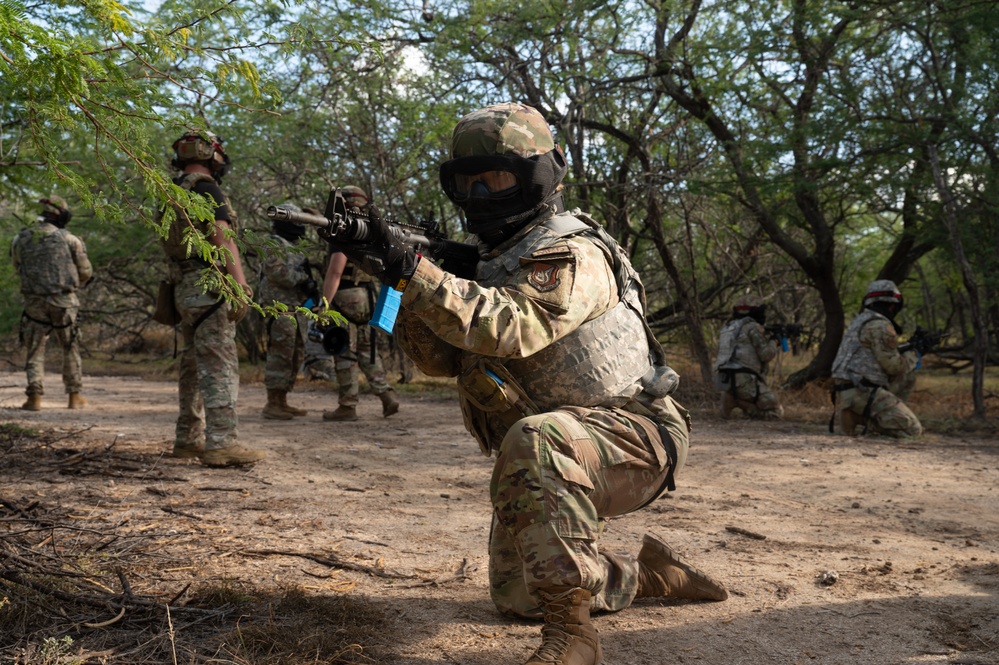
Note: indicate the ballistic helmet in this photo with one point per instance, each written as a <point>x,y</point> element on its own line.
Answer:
<point>290,231</point>
<point>750,305</point>
<point>55,211</point>
<point>504,169</point>
<point>201,147</point>
<point>354,196</point>
<point>883,290</point>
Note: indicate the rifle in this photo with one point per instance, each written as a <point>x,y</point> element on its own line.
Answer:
<point>350,229</point>
<point>784,332</point>
<point>922,341</point>
<point>345,228</point>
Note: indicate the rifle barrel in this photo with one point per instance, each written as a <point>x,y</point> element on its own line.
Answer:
<point>296,216</point>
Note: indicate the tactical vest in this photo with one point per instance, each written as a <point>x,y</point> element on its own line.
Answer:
<point>173,244</point>
<point>586,367</point>
<point>734,350</point>
<point>855,362</point>
<point>47,266</point>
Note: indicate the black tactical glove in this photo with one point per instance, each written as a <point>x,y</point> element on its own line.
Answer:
<point>399,259</point>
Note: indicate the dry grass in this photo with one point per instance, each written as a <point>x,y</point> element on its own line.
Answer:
<point>76,589</point>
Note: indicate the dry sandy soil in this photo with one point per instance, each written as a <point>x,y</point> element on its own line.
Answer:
<point>835,550</point>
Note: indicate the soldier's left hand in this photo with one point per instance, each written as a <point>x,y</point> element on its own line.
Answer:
<point>399,259</point>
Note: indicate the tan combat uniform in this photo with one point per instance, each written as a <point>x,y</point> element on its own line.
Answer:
<point>873,378</point>
<point>284,272</point>
<point>52,264</point>
<point>558,379</point>
<point>208,384</point>
<point>743,354</point>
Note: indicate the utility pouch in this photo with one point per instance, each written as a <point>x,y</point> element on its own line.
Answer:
<point>723,381</point>
<point>493,402</point>
<point>165,311</point>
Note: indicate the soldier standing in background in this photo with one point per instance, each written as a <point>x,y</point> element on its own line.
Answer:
<point>872,378</point>
<point>208,385</point>
<point>743,354</point>
<point>559,377</point>
<point>351,291</point>
<point>52,264</point>
<point>288,280</point>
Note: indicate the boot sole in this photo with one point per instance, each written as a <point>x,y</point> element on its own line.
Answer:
<point>654,547</point>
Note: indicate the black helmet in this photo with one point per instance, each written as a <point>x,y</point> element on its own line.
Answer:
<point>505,169</point>
<point>201,147</point>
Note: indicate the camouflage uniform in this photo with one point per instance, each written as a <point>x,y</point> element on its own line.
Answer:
<point>567,457</point>
<point>874,378</point>
<point>743,354</point>
<point>52,264</point>
<point>284,271</point>
<point>354,303</point>
<point>208,384</point>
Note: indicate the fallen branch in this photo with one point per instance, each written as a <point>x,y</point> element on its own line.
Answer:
<point>332,563</point>
<point>745,532</point>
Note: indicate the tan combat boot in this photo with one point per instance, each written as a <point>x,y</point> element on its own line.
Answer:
<point>568,637</point>
<point>187,451</point>
<point>389,405</point>
<point>663,572</point>
<point>76,401</point>
<point>288,408</point>
<point>273,410</point>
<point>342,414</point>
<point>33,403</point>
<point>727,404</point>
<point>850,421</point>
<point>231,456</point>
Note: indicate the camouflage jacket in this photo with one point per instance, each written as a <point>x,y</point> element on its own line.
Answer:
<point>52,262</point>
<point>869,352</point>
<point>550,312</point>
<point>743,345</point>
<point>283,272</point>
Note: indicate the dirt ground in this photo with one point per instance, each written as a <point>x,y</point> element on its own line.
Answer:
<point>835,550</point>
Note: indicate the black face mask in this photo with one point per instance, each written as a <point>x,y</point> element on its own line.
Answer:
<point>503,213</point>
<point>60,220</point>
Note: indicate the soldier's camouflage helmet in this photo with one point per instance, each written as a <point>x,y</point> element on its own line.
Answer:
<point>55,210</point>
<point>750,305</point>
<point>354,196</point>
<point>201,147</point>
<point>882,290</point>
<point>505,168</point>
<point>747,302</point>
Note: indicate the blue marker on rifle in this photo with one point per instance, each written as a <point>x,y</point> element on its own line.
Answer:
<point>783,344</point>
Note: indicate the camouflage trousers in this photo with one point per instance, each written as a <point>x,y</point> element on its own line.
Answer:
<point>40,320</point>
<point>355,305</point>
<point>209,369</point>
<point>888,414</point>
<point>755,397</point>
<point>285,350</point>
<point>557,476</point>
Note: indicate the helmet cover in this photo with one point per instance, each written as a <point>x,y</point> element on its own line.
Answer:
<point>882,290</point>
<point>201,148</point>
<point>354,196</point>
<point>55,210</point>
<point>510,138</point>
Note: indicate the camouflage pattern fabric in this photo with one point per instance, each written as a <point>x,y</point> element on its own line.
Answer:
<point>888,414</point>
<point>52,264</point>
<point>743,344</point>
<point>355,305</point>
<point>209,367</point>
<point>62,322</point>
<point>502,129</point>
<point>283,273</point>
<point>558,473</point>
